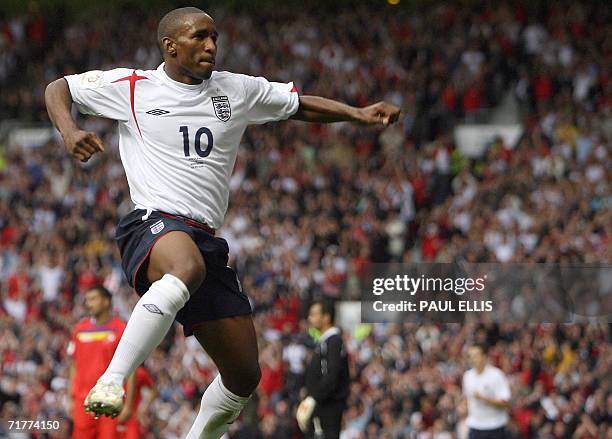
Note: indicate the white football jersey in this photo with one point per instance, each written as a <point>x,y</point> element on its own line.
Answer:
<point>178,142</point>
<point>491,383</point>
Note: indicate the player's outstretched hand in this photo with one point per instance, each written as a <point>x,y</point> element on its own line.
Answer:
<point>379,113</point>
<point>83,144</point>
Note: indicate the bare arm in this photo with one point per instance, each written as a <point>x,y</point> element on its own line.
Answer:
<point>130,397</point>
<point>319,109</point>
<point>69,392</point>
<point>71,377</point>
<point>80,144</point>
<point>146,405</point>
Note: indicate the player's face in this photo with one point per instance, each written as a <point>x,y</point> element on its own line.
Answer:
<point>196,46</point>
<point>95,302</point>
<point>315,316</point>
<point>476,357</point>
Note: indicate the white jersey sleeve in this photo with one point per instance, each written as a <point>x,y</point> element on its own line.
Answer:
<point>269,101</point>
<point>101,93</point>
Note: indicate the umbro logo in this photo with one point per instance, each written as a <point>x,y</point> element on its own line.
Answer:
<point>157,112</point>
<point>152,308</point>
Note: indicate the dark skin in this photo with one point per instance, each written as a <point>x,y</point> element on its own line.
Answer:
<point>189,55</point>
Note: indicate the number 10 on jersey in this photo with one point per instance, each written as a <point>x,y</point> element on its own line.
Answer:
<point>198,141</point>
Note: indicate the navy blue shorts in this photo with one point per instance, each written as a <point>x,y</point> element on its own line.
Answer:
<point>498,433</point>
<point>219,296</point>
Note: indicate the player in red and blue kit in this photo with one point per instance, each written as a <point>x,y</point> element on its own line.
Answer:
<point>93,343</point>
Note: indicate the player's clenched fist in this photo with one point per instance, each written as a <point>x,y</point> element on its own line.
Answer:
<point>381,112</point>
<point>83,144</point>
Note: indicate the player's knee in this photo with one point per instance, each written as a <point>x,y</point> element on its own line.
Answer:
<point>245,381</point>
<point>251,379</point>
<point>192,271</point>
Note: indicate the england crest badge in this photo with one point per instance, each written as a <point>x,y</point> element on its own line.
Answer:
<point>222,108</point>
<point>157,227</point>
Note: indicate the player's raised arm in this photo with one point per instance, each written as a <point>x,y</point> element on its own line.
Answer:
<point>323,110</point>
<point>80,144</point>
<point>274,101</point>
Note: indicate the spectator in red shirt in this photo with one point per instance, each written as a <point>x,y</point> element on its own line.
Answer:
<point>272,372</point>
<point>472,98</point>
<point>431,243</point>
<point>542,87</point>
<point>92,345</point>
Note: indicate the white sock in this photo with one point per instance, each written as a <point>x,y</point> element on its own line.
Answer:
<point>149,323</point>
<point>219,408</point>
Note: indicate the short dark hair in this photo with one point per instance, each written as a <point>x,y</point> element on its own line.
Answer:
<point>484,348</point>
<point>328,307</point>
<point>168,24</point>
<point>102,290</point>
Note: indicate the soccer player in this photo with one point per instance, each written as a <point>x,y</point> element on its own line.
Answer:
<point>93,343</point>
<point>488,395</point>
<point>179,130</point>
<point>327,377</point>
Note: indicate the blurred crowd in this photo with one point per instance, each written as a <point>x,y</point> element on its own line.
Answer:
<point>311,205</point>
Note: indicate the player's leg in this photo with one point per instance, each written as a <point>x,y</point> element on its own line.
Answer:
<point>330,418</point>
<point>84,431</point>
<point>132,428</point>
<point>232,344</point>
<point>175,268</point>
<point>83,425</point>
<point>110,429</point>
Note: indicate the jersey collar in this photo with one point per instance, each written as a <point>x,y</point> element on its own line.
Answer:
<point>330,331</point>
<point>95,322</point>
<point>181,85</point>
